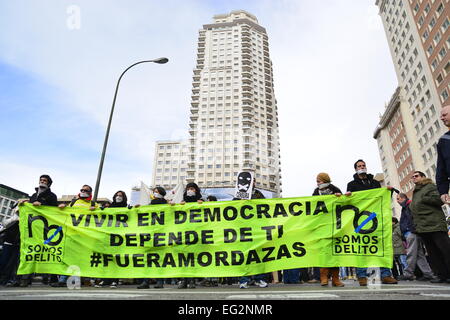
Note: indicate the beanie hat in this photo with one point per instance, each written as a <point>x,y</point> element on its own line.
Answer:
<point>46,176</point>
<point>324,177</point>
<point>161,191</point>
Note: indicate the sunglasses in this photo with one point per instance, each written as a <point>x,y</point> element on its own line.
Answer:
<point>85,190</point>
<point>416,176</point>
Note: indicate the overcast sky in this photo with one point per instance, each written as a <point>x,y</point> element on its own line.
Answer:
<point>60,61</point>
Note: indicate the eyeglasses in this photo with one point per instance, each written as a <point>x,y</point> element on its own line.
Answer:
<point>85,190</point>
<point>416,176</point>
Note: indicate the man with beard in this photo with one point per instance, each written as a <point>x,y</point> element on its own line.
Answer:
<point>45,197</point>
<point>365,181</point>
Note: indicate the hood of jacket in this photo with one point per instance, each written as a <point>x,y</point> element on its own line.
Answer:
<point>368,175</point>
<point>423,183</point>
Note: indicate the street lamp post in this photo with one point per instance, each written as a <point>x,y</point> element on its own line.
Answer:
<point>102,159</point>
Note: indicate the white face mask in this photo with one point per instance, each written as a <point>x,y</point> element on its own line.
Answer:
<point>323,185</point>
<point>190,193</point>
<point>43,185</point>
<point>157,195</point>
<point>84,195</point>
<point>361,171</point>
<point>119,199</point>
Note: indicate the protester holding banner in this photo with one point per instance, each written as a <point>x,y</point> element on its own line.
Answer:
<point>324,187</point>
<point>415,255</point>
<point>246,189</point>
<point>158,198</point>
<point>83,200</point>
<point>43,196</point>
<point>191,193</point>
<point>364,181</point>
<point>120,200</point>
<point>430,224</point>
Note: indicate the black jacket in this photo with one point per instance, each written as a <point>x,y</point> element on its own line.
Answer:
<point>443,164</point>
<point>158,201</point>
<point>256,194</point>
<point>406,220</point>
<point>46,198</point>
<point>359,184</point>
<point>11,233</point>
<point>331,187</point>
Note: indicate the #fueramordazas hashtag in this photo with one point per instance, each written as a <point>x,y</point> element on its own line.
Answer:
<point>96,259</point>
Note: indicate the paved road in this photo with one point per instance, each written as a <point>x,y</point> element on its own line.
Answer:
<point>405,290</point>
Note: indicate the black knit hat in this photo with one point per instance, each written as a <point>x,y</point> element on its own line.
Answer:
<point>161,190</point>
<point>46,176</point>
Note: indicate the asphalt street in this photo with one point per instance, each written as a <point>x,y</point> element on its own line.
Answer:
<point>405,290</point>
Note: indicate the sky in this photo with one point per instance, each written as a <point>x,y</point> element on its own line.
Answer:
<point>60,61</point>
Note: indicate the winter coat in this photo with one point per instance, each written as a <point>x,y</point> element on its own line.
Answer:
<point>11,234</point>
<point>331,189</point>
<point>397,242</point>
<point>158,201</point>
<point>256,194</point>
<point>359,184</point>
<point>443,164</point>
<point>426,208</point>
<point>406,219</point>
<point>46,198</point>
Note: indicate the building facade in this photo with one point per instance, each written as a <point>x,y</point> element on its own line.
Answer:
<point>418,37</point>
<point>8,198</point>
<point>170,164</point>
<point>397,144</point>
<point>234,117</point>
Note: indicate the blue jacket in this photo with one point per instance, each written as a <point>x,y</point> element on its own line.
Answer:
<point>443,164</point>
<point>406,220</point>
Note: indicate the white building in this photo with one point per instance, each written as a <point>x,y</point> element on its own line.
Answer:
<point>170,163</point>
<point>234,118</point>
<point>8,198</point>
<point>419,102</point>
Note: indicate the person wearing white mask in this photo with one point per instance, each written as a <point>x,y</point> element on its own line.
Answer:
<point>120,200</point>
<point>45,197</point>
<point>192,193</point>
<point>325,187</point>
<point>158,194</point>
<point>364,181</point>
<point>83,199</point>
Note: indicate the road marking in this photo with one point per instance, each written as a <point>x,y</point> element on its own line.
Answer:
<point>435,295</point>
<point>78,294</point>
<point>283,296</point>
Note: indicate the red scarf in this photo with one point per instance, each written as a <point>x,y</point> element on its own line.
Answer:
<point>85,199</point>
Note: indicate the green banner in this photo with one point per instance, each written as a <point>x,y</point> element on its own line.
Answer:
<point>212,239</point>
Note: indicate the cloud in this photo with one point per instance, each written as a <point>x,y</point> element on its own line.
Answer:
<point>332,74</point>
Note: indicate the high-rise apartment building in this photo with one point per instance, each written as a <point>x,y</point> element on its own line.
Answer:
<point>234,118</point>
<point>170,163</point>
<point>8,198</point>
<point>419,39</point>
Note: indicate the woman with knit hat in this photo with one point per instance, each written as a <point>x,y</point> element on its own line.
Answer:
<point>324,187</point>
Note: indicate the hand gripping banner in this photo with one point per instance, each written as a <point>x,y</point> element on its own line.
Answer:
<point>212,239</point>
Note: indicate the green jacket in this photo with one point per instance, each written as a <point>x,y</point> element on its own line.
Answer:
<point>426,208</point>
<point>397,242</point>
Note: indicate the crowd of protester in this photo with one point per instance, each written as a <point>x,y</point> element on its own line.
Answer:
<point>421,243</point>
